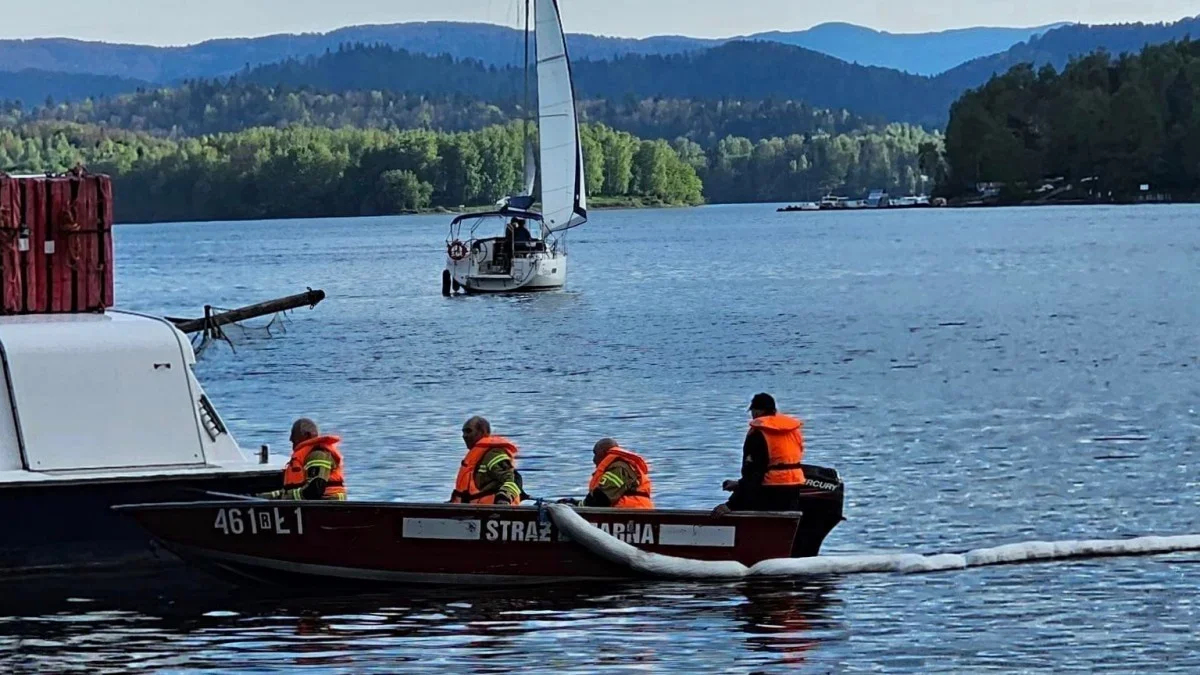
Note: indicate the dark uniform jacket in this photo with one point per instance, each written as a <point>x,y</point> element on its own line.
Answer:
<point>751,494</point>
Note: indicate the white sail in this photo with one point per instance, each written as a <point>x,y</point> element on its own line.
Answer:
<point>530,170</point>
<point>564,202</point>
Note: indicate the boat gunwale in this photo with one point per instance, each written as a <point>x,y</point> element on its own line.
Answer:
<point>464,509</point>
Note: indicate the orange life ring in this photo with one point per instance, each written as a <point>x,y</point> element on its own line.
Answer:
<point>457,250</point>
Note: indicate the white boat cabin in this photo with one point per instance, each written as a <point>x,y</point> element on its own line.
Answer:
<point>107,397</point>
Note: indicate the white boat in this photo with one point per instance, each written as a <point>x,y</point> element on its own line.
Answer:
<point>101,409</point>
<point>802,206</point>
<point>830,202</point>
<point>531,254</point>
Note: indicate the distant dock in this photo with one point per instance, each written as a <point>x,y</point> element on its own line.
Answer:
<point>877,200</point>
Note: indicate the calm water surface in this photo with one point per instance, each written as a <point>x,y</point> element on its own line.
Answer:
<point>962,369</point>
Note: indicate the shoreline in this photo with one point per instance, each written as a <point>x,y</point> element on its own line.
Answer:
<point>995,205</point>
<point>1080,202</point>
<point>597,204</point>
<point>633,205</point>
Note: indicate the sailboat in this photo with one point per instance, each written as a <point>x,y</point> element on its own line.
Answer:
<point>531,255</point>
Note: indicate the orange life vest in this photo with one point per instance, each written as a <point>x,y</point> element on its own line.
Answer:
<point>640,498</point>
<point>294,475</point>
<point>785,448</point>
<point>466,491</point>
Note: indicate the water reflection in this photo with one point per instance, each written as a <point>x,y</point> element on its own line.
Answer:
<point>647,624</point>
<point>786,620</point>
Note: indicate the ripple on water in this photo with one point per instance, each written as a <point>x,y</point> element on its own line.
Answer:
<point>949,363</point>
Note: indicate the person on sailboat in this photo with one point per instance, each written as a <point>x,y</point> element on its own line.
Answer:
<point>488,474</point>
<point>621,479</point>
<point>315,468</point>
<point>772,477</point>
<point>517,237</point>
<point>521,234</point>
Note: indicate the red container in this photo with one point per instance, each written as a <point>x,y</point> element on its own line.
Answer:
<point>56,249</point>
<point>9,259</point>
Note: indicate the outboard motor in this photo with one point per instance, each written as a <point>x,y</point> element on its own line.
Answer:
<point>821,501</point>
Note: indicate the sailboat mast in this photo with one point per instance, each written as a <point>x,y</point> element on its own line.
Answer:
<point>525,125</point>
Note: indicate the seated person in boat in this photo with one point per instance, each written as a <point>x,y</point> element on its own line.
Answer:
<point>772,478</point>
<point>621,479</point>
<point>521,233</point>
<point>315,469</point>
<point>517,236</point>
<point>488,474</point>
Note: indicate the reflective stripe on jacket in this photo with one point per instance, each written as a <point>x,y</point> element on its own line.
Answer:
<point>307,456</point>
<point>466,487</point>
<point>637,498</point>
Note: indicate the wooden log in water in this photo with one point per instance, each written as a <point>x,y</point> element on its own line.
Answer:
<point>310,299</point>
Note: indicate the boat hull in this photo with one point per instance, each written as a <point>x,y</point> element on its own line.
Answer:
<point>532,273</point>
<point>388,544</point>
<point>70,527</point>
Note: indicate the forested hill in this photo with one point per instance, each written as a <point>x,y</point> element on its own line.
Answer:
<point>200,108</point>
<point>1112,124</point>
<point>362,67</point>
<point>770,90</point>
<point>740,70</point>
<point>1059,46</point>
<point>32,87</point>
<point>735,71</point>
<point>765,70</point>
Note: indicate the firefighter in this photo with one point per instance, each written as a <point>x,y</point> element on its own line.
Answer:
<point>488,474</point>
<point>315,468</point>
<point>621,479</point>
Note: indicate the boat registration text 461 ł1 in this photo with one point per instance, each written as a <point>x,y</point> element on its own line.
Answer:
<point>272,520</point>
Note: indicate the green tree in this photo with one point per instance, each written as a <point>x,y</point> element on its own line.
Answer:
<point>400,191</point>
<point>593,159</point>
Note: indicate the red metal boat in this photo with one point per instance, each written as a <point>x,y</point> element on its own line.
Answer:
<point>369,543</point>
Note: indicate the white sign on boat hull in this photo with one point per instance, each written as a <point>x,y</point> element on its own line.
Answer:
<point>441,528</point>
<point>716,536</point>
<point>630,532</point>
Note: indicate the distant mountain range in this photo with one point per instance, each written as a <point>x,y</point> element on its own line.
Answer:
<point>925,53</point>
<point>1057,47</point>
<point>32,86</point>
<point>614,69</point>
<point>917,53</point>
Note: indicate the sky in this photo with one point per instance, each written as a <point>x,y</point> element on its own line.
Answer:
<point>175,22</point>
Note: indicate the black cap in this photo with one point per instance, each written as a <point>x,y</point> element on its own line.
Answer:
<point>764,402</point>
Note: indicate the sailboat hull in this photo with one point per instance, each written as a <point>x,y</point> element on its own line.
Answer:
<point>543,271</point>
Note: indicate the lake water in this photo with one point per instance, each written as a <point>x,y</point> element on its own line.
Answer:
<point>960,368</point>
